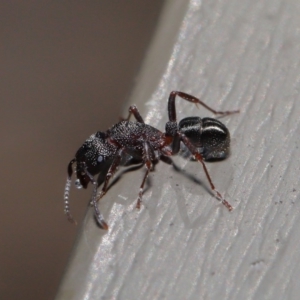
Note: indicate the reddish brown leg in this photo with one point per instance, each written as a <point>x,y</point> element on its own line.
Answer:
<point>112,169</point>
<point>148,155</point>
<point>139,201</point>
<point>95,198</point>
<point>135,112</point>
<point>190,98</point>
<point>98,214</point>
<point>199,158</point>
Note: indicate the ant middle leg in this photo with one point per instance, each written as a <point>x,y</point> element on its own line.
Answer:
<point>190,98</point>
<point>140,197</point>
<point>148,157</point>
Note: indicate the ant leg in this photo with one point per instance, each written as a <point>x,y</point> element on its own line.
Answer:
<point>112,169</point>
<point>148,156</point>
<point>139,200</point>
<point>95,197</point>
<point>67,193</point>
<point>135,112</point>
<point>199,158</point>
<point>98,214</point>
<point>190,98</point>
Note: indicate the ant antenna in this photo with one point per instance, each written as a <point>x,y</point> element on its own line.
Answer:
<point>67,193</point>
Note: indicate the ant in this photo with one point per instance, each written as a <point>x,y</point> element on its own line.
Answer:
<point>102,153</point>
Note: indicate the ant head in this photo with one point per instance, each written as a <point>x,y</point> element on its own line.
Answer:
<point>92,157</point>
<point>209,135</point>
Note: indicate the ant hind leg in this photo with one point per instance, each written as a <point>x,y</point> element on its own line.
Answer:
<point>199,158</point>
<point>192,99</point>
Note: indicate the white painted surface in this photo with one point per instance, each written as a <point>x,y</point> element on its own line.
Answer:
<point>183,244</point>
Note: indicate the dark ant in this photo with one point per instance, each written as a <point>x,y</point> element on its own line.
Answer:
<point>207,139</point>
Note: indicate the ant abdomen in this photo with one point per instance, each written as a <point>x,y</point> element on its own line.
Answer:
<point>208,135</point>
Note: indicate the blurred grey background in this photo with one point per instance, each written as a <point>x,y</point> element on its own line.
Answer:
<point>67,70</point>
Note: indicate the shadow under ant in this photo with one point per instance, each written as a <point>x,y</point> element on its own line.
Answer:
<point>136,165</point>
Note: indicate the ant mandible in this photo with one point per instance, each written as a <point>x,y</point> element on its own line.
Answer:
<point>103,152</point>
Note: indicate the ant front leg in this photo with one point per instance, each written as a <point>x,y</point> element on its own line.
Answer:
<point>98,214</point>
<point>199,158</point>
<point>95,197</point>
<point>135,112</point>
<point>112,169</point>
<point>190,98</point>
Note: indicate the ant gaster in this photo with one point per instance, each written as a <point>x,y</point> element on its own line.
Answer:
<point>206,139</point>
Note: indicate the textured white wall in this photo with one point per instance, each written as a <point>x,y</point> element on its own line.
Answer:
<point>183,244</point>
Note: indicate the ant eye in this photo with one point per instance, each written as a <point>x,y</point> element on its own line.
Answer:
<point>78,184</point>
<point>100,158</point>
